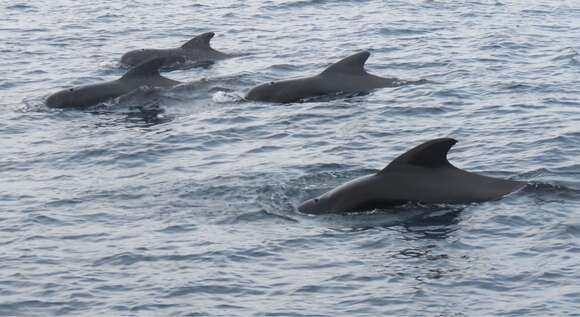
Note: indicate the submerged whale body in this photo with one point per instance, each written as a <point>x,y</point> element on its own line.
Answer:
<point>145,74</point>
<point>422,174</point>
<point>197,49</point>
<point>346,76</point>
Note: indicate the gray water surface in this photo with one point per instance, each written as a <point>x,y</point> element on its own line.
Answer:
<point>182,202</point>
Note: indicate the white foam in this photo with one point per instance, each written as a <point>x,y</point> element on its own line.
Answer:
<point>226,97</point>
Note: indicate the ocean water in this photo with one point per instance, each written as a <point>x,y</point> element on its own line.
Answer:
<point>183,202</point>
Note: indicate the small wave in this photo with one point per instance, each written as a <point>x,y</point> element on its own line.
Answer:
<point>206,288</point>
<point>284,67</point>
<point>547,188</point>
<point>130,258</point>
<point>178,229</point>
<point>28,307</point>
<point>35,104</point>
<point>391,31</point>
<point>568,54</point>
<point>295,4</point>
<point>21,6</point>
<point>264,149</point>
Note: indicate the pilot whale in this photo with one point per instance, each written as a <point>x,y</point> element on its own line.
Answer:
<point>423,174</point>
<point>345,76</point>
<point>197,49</point>
<point>145,74</point>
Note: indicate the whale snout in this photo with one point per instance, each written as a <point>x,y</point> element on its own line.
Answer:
<point>131,58</point>
<point>258,93</point>
<point>282,91</point>
<point>136,57</point>
<point>59,99</point>
<point>71,97</point>
<point>311,206</point>
<point>51,101</point>
<point>304,207</point>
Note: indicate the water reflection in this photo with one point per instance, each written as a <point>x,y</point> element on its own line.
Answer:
<point>147,116</point>
<point>424,222</point>
<point>439,224</point>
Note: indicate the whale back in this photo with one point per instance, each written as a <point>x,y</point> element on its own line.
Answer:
<point>422,174</point>
<point>144,74</point>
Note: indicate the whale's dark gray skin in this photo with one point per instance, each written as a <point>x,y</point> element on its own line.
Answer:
<point>346,76</point>
<point>422,175</point>
<point>197,49</point>
<point>145,74</point>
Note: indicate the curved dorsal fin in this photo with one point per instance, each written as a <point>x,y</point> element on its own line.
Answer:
<point>148,68</point>
<point>431,154</point>
<point>354,64</point>
<point>200,41</point>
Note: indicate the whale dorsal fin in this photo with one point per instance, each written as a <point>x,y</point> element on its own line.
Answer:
<point>148,68</point>
<point>200,41</point>
<point>354,64</point>
<point>431,154</point>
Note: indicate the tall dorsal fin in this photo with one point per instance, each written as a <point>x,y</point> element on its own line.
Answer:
<point>148,68</point>
<point>430,154</point>
<point>200,41</point>
<point>354,64</point>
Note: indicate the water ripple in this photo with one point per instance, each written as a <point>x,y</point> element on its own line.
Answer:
<point>182,202</point>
